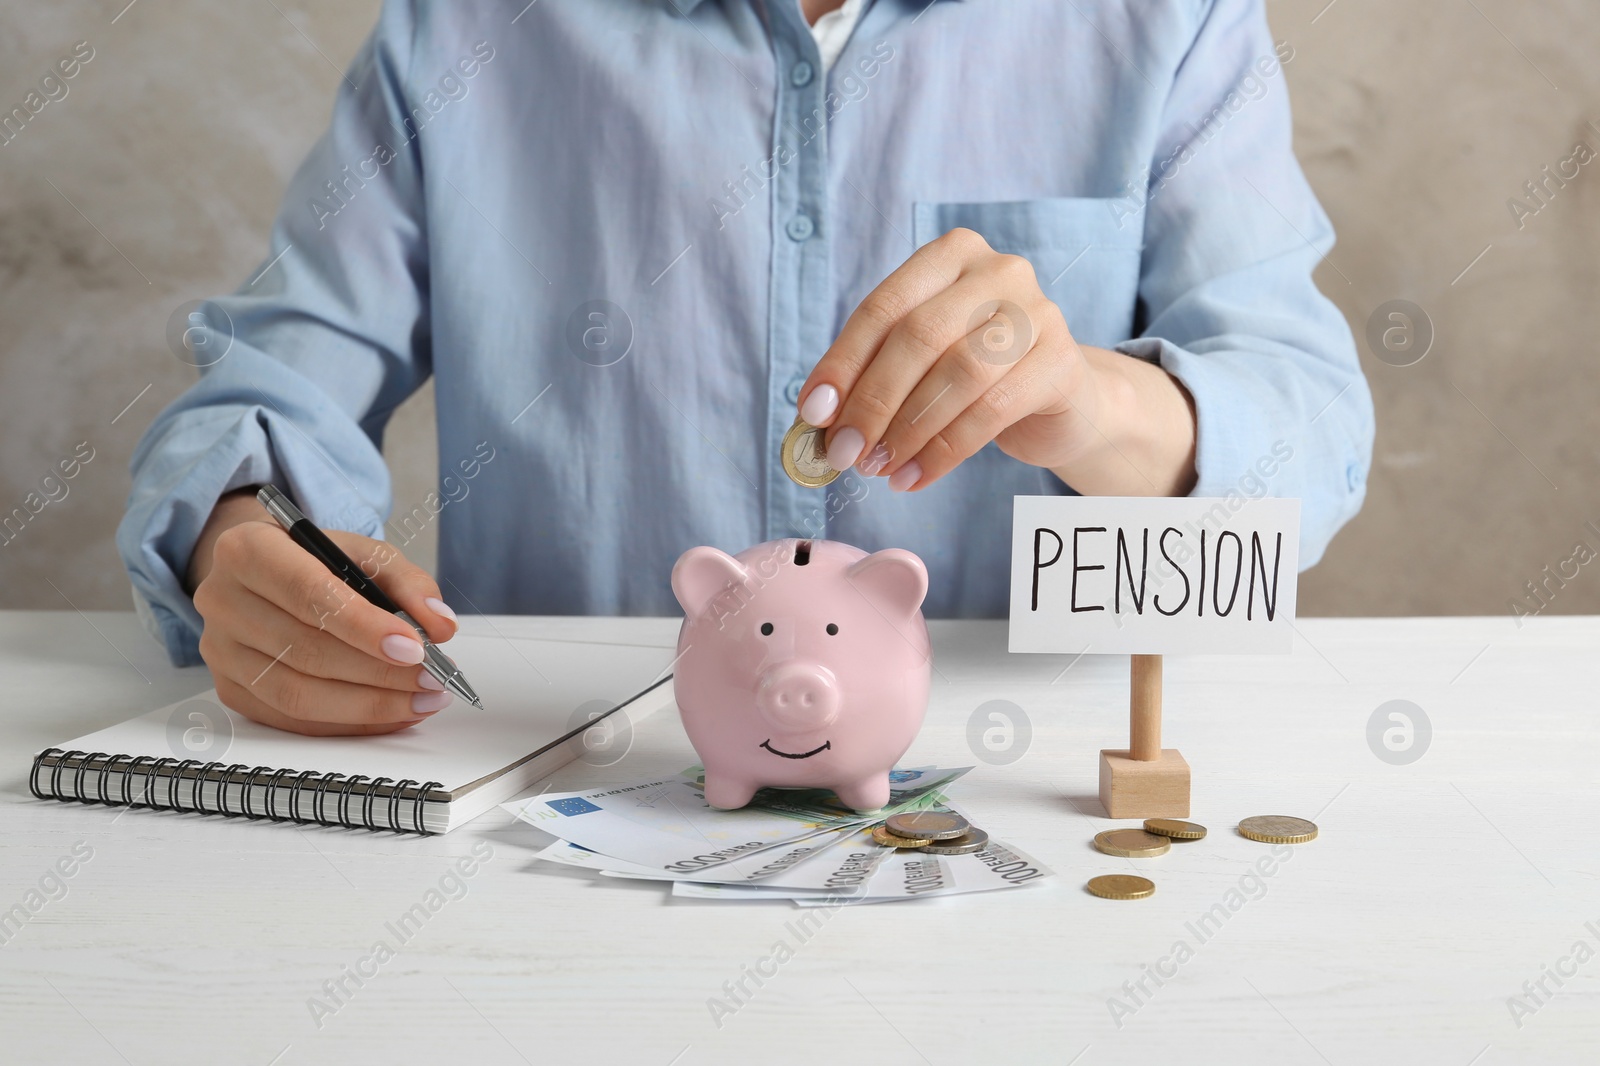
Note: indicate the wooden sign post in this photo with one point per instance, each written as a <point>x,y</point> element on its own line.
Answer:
<point>1144,780</point>
<point>1151,576</point>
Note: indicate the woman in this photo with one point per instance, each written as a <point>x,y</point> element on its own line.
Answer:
<point>1027,247</point>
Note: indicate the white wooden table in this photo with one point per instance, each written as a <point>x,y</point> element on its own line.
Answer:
<point>1435,891</point>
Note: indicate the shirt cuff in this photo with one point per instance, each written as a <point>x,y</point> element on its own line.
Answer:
<point>163,523</point>
<point>1225,450</point>
<point>167,629</point>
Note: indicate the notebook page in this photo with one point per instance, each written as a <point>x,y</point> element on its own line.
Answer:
<point>533,691</point>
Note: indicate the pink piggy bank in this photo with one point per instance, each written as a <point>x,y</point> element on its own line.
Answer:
<point>802,664</point>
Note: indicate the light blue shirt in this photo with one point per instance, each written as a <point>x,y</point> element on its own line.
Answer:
<point>619,234</point>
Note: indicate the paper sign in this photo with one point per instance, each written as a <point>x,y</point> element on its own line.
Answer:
<point>1153,575</point>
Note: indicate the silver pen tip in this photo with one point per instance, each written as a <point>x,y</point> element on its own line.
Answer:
<point>448,672</point>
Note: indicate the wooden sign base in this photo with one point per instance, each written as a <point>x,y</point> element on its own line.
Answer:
<point>1146,780</point>
<point>1144,788</point>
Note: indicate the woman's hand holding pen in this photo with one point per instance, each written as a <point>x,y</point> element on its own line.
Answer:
<point>291,646</point>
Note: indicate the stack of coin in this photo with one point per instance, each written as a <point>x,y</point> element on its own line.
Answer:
<point>936,832</point>
<point>1131,843</point>
<point>804,457</point>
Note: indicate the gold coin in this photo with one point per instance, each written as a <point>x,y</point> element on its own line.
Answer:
<point>928,825</point>
<point>805,459</point>
<point>881,835</point>
<point>1131,843</point>
<point>1121,886</point>
<point>1174,829</point>
<point>972,840</point>
<point>1278,829</point>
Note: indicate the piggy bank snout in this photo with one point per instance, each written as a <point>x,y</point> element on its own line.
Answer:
<point>798,696</point>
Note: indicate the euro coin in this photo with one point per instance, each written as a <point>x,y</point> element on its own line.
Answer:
<point>928,825</point>
<point>1121,886</point>
<point>1278,829</point>
<point>1131,843</point>
<point>972,840</point>
<point>1174,829</point>
<point>881,835</point>
<point>805,459</point>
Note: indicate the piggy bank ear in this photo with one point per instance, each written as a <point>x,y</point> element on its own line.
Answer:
<point>700,574</point>
<point>894,580</point>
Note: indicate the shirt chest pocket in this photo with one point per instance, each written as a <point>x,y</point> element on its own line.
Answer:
<point>1084,251</point>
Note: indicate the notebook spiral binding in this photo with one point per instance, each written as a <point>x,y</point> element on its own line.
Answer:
<point>265,783</point>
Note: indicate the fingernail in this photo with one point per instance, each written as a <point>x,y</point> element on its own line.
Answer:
<point>876,460</point>
<point>430,702</point>
<point>429,682</point>
<point>820,405</point>
<point>438,606</point>
<point>846,448</point>
<point>905,477</point>
<point>402,649</point>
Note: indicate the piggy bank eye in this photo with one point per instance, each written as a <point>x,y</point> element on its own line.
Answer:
<point>766,629</point>
<point>833,630</point>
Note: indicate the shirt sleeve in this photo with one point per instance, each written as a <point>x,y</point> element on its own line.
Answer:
<point>304,363</point>
<point>1232,235</point>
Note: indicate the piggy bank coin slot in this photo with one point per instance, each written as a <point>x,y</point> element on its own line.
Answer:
<point>802,553</point>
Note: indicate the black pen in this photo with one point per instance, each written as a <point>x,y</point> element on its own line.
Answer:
<point>315,541</point>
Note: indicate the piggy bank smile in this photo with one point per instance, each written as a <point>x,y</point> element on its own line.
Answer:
<point>826,745</point>
<point>801,664</point>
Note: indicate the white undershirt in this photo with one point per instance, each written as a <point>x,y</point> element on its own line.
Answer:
<point>833,29</point>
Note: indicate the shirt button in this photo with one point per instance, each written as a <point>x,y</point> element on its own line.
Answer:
<point>800,74</point>
<point>791,391</point>
<point>799,228</point>
<point>1353,476</point>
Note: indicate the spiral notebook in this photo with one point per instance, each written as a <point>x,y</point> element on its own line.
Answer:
<point>545,702</point>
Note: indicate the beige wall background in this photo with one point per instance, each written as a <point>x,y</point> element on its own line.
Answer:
<point>154,182</point>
